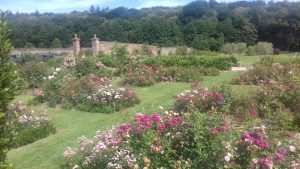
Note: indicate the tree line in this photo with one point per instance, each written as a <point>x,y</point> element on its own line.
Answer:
<point>204,25</point>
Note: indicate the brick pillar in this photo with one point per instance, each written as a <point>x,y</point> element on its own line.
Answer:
<point>76,45</point>
<point>95,45</point>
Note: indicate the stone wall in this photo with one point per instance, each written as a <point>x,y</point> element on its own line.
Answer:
<point>104,47</point>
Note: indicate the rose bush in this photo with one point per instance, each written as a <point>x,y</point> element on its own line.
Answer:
<point>167,140</point>
<point>26,126</point>
<point>90,93</point>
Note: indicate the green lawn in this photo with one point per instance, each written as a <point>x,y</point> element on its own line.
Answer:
<point>47,153</point>
<point>249,60</point>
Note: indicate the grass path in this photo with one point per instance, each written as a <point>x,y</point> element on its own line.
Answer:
<point>47,153</point>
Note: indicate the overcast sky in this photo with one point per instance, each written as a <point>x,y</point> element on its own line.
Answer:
<point>60,6</point>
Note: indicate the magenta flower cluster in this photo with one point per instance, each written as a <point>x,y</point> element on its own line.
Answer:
<point>202,99</point>
<point>145,122</point>
<point>255,138</point>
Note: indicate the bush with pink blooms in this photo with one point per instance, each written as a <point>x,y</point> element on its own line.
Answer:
<point>199,98</point>
<point>259,150</point>
<point>167,140</point>
<point>26,126</point>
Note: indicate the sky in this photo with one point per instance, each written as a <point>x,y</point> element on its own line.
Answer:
<point>63,6</point>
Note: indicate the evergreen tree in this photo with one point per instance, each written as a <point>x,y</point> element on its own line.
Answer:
<point>56,43</point>
<point>7,86</point>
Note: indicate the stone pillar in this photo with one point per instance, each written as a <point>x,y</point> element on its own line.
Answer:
<point>95,45</point>
<point>76,45</point>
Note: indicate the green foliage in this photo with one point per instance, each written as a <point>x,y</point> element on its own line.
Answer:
<point>205,149</point>
<point>182,50</point>
<point>31,134</point>
<point>88,93</point>
<point>34,73</point>
<point>85,66</point>
<point>200,24</point>
<point>26,126</point>
<point>251,51</point>
<point>145,50</point>
<point>51,89</point>
<point>141,75</point>
<point>119,51</point>
<point>222,63</point>
<point>7,86</point>
<point>278,97</point>
<point>232,48</point>
<point>109,61</point>
<point>26,58</point>
<point>264,48</point>
<point>56,43</point>
<point>88,65</point>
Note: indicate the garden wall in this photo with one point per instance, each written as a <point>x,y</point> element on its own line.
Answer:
<point>105,47</point>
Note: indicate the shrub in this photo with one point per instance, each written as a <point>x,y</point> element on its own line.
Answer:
<point>183,74</point>
<point>199,137</point>
<point>222,63</point>
<point>85,66</point>
<point>158,140</point>
<point>258,150</point>
<point>200,99</point>
<point>232,48</point>
<point>34,73</point>
<point>278,94</point>
<point>251,51</point>
<point>90,93</point>
<point>264,48</point>
<point>53,62</point>
<point>109,61</point>
<point>145,50</point>
<point>141,75</point>
<point>204,53</point>
<point>26,126</point>
<point>119,51</point>
<point>182,51</point>
<point>51,90</point>
<point>276,51</point>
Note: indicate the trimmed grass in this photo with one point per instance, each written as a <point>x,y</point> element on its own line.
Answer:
<point>249,60</point>
<point>47,153</point>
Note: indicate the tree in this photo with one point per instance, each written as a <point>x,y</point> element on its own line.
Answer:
<point>92,9</point>
<point>56,43</point>
<point>7,86</point>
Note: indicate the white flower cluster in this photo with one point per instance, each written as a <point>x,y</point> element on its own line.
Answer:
<point>23,119</point>
<point>108,95</point>
<point>56,71</point>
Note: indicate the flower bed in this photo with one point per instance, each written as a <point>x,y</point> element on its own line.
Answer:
<point>91,93</point>
<point>201,136</point>
<point>26,126</point>
<point>151,141</point>
<point>279,91</point>
<point>222,63</point>
<point>143,75</point>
